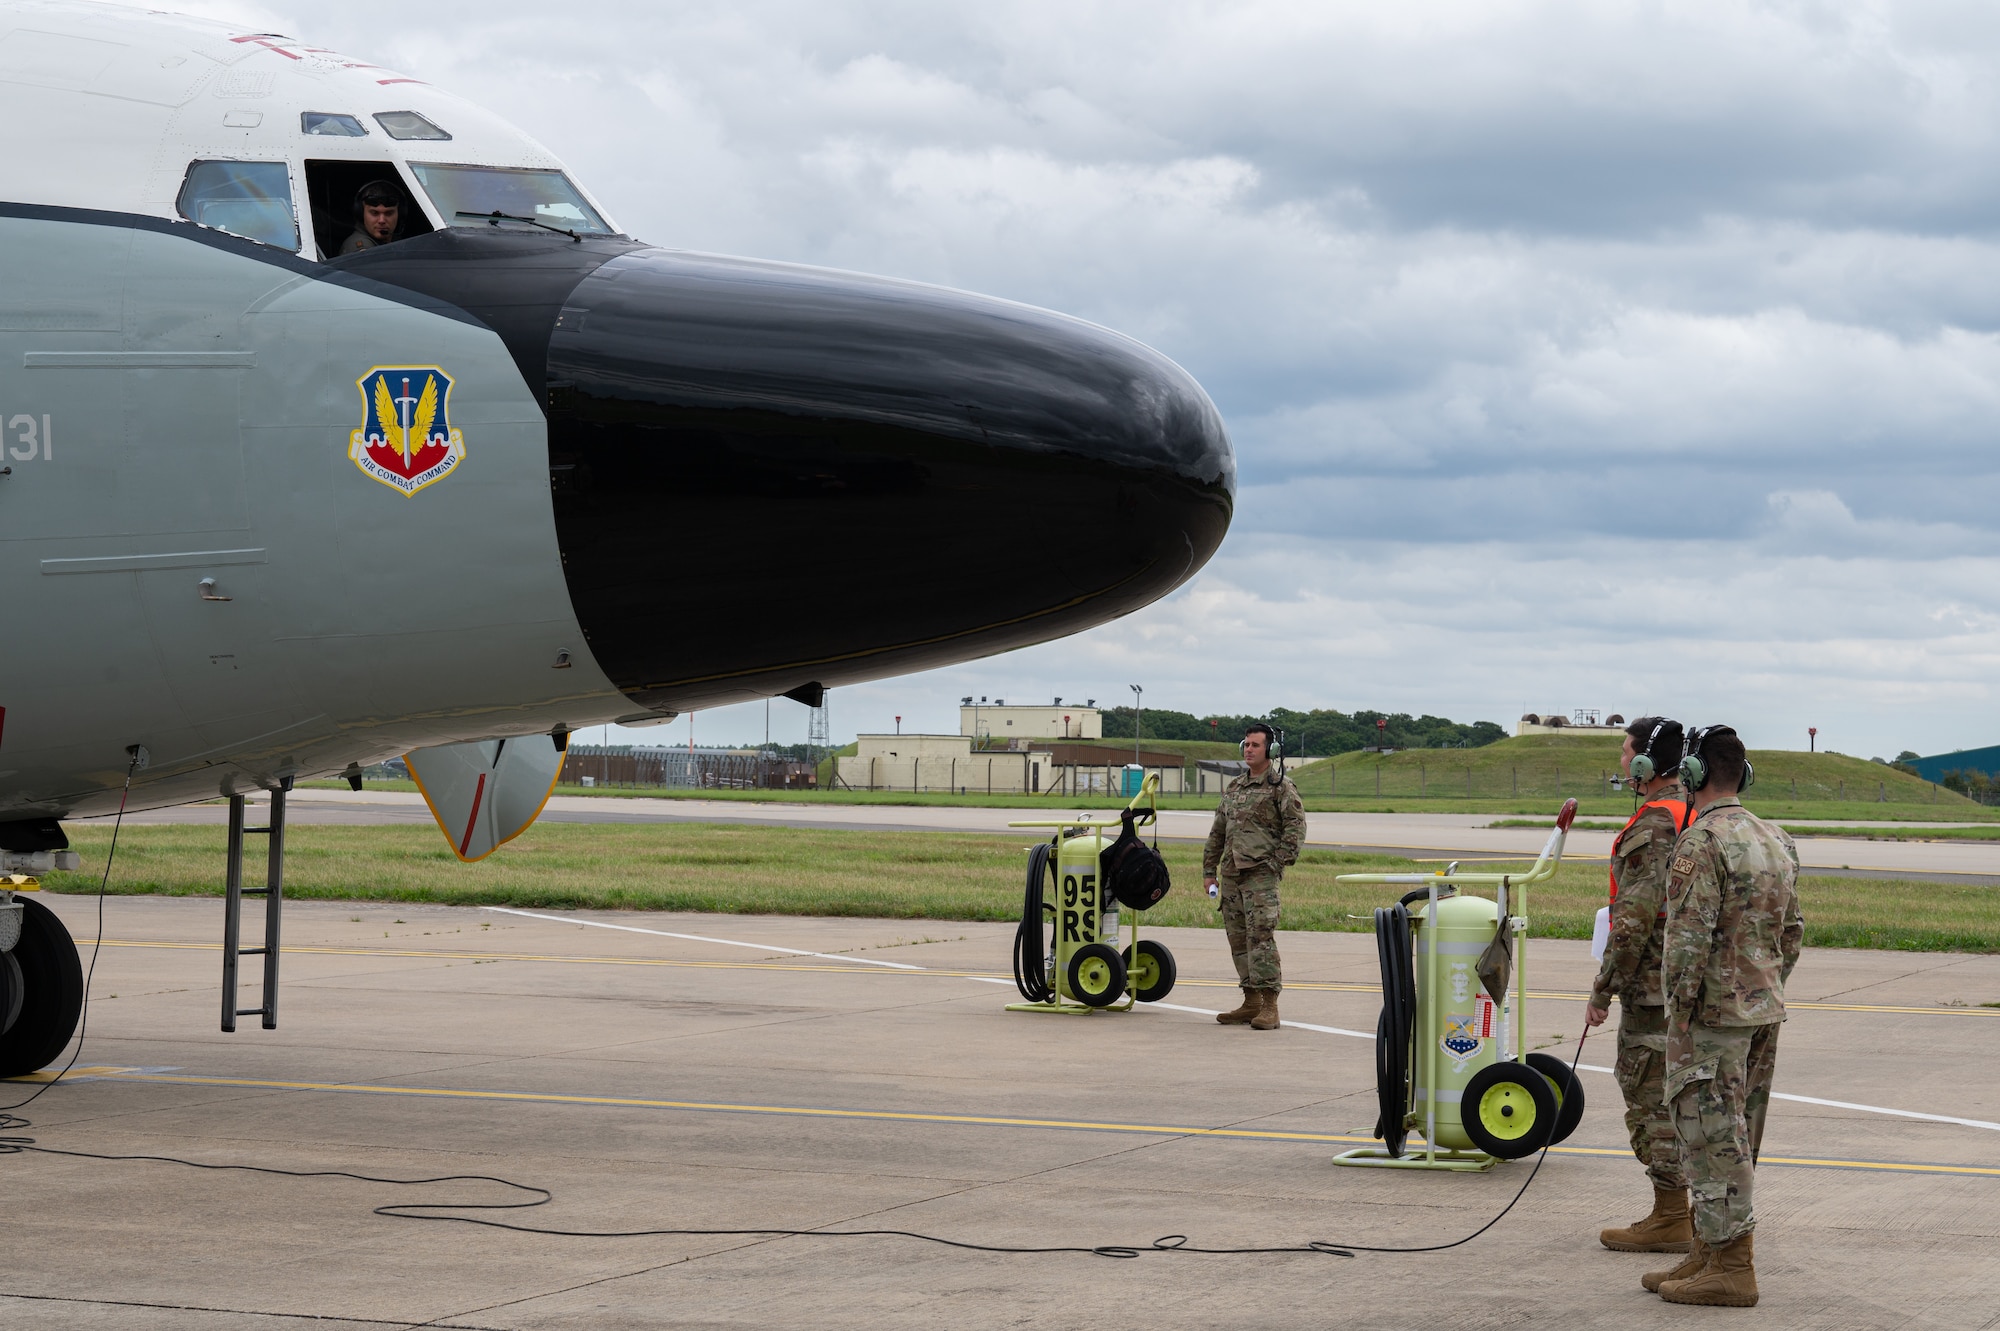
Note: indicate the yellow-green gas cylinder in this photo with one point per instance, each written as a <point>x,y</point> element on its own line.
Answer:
<point>1460,1029</point>
<point>1083,916</point>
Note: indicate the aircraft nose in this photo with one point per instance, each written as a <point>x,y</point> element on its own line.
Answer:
<point>769,477</point>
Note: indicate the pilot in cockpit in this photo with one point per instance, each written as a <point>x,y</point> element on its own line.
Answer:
<point>378,216</point>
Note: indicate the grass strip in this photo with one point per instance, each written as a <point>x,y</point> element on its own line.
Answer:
<point>752,870</point>
<point>1535,811</point>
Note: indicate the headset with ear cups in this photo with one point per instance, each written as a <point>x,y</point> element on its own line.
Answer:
<point>1694,771</point>
<point>1274,748</point>
<point>1642,768</point>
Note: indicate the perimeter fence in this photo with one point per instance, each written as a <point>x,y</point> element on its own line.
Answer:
<point>677,768</point>
<point>1446,779</point>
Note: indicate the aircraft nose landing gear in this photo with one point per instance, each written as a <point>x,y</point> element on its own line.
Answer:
<point>41,986</point>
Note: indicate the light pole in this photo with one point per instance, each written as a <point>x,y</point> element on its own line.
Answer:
<point>1812,739</point>
<point>1138,707</point>
<point>899,725</point>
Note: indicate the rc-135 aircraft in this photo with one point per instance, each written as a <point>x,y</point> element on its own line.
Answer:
<point>271,511</point>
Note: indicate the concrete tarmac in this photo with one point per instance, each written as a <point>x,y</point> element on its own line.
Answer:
<point>1416,835</point>
<point>736,1072</point>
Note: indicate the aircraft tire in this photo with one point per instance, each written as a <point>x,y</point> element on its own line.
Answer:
<point>51,1000</point>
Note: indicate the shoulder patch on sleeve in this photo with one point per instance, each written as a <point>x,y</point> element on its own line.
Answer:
<point>1682,864</point>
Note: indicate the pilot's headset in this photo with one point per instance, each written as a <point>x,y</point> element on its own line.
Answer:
<point>379,192</point>
<point>1663,750</point>
<point>1694,768</point>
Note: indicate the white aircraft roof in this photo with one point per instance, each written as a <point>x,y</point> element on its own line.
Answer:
<point>108,105</point>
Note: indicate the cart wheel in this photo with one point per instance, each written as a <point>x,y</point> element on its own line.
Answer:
<point>1569,1093</point>
<point>1096,975</point>
<point>1508,1110</point>
<point>1153,971</point>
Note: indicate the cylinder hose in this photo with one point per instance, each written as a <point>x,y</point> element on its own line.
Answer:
<point>1394,1028</point>
<point>1031,975</point>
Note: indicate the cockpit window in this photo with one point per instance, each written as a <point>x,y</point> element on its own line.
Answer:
<point>408,125</point>
<point>331,124</point>
<point>248,199</point>
<point>499,196</point>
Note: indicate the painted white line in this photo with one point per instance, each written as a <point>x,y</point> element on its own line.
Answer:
<point>1302,1025</point>
<point>1201,1011</point>
<point>1877,1109</point>
<point>701,938</point>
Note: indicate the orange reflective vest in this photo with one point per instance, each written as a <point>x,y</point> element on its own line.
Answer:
<point>1683,815</point>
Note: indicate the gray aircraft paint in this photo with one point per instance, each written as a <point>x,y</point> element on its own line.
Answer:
<point>201,400</point>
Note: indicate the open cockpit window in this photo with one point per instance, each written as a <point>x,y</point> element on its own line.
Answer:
<point>248,199</point>
<point>408,125</point>
<point>507,196</point>
<point>331,124</point>
<point>339,193</point>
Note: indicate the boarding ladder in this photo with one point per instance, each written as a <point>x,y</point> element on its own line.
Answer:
<point>273,893</point>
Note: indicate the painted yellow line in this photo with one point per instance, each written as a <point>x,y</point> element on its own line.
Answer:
<point>794,1111</point>
<point>895,1116</point>
<point>441,954</point>
<point>435,954</point>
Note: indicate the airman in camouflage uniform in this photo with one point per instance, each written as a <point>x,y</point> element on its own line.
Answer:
<point>1258,829</point>
<point>1631,972</point>
<point>1733,935</point>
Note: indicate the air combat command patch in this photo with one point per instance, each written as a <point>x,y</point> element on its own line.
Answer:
<point>406,440</point>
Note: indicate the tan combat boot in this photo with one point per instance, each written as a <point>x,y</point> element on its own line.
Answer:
<point>1239,1016</point>
<point>1668,1229</point>
<point>1728,1281</point>
<point>1698,1254</point>
<point>1267,1014</point>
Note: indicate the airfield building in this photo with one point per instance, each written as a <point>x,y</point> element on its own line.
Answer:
<point>1026,767</point>
<point>998,721</point>
<point>1935,767</point>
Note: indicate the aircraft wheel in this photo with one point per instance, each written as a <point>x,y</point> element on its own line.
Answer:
<point>1153,971</point>
<point>1508,1110</point>
<point>1096,975</point>
<point>51,992</point>
<point>1569,1093</point>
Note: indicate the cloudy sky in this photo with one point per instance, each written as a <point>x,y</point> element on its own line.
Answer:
<point>1638,356</point>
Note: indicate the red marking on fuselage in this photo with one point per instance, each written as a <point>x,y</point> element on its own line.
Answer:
<point>267,40</point>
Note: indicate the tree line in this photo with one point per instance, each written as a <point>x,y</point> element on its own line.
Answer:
<point>1319,732</point>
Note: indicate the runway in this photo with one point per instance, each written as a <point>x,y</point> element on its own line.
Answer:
<point>1417,835</point>
<point>719,1072</point>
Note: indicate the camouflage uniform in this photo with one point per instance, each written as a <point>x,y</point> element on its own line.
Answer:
<point>1732,937</point>
<point>1258,829</point>
<point>1631,972</point>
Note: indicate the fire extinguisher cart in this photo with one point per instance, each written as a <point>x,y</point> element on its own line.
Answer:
<point>1083,969</point>
<point>1450,1016</point>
